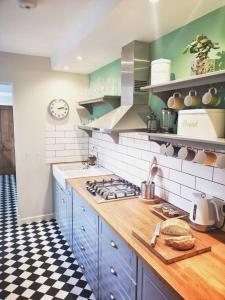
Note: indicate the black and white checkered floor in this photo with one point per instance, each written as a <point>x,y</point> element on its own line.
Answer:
<point>35,261</point>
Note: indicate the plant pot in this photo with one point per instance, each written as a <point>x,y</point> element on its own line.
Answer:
<point>204,66</point>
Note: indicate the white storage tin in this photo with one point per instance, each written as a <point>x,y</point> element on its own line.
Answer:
<point>201,123</point>
<point>160,71</point>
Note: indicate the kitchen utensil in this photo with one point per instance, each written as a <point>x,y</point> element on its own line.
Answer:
<point>152,123</point>
<point>186,153</point>
<point>159,211</point>
<point>176,101</point>
<point>211,97</point>
<point>154,172</point>
<point>204,212</point>
<point>191,99</point>
<point>168,120</point>
<point>165,253</point>
<point>147,190</point>
<point>220,161</point>
<point>155,234</point>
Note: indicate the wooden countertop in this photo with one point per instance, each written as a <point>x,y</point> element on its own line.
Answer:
<point>200,277</point>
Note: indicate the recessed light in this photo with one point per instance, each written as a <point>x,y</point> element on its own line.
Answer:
<point>79,57</point>
<point>153,1</point>
<point>66,68</point>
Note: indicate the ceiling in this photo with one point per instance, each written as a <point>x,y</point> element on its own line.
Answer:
<point>93,29</point>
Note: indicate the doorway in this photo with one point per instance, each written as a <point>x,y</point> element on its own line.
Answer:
<point>7,148</point>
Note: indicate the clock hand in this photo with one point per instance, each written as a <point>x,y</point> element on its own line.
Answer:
<point>61,107</point>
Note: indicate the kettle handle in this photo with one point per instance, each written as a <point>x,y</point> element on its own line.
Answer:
<point>216,210</point>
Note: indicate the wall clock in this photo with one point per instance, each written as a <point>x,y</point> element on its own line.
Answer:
<point>58,109</point>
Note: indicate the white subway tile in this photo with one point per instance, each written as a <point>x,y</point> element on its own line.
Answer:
<point>179,202</point>
<point>64,140</point>
<point>121,148</point>
<point>168,185</point>
<point>76,146</point>
<point>182,178</point>
<point>55,147</point>
<point>71,152</point>
<point>148,156</point>
<point>155,147</point>
<point>49,141</point>
<point>169,162</point>
<point>50,154</point>
<point>197,170</point>
<point>52,160</point>
<point>219,176</point>
<point>163,171</point>
<point>187,193</point>
<point>134,152</point>
<point>52,134</point>
<point>81,140</point>
<point>211,188</point>
<point>140,144</point>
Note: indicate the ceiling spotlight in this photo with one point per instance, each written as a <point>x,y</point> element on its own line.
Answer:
<point>79,57</point>
<point>153,1</point>
<point>27,4</point>
<point>66,68</point>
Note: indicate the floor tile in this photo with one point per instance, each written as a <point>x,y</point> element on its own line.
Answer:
<point>37,262</point>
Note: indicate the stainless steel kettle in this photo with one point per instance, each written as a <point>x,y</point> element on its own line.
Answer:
<point>205,212</point>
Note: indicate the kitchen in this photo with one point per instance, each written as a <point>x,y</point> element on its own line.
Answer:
<point>107,145</point>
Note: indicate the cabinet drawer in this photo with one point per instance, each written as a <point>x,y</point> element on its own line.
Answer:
<point>115,248</point>
<point>81,208</point>
<point>114,283</point>
<point>90,273</point>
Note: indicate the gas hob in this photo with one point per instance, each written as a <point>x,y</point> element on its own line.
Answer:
<point>112,190</point>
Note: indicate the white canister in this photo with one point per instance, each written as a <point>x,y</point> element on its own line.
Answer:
<point>160,71</point>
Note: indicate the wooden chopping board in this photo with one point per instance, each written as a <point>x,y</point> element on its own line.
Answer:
<point>166,253</point>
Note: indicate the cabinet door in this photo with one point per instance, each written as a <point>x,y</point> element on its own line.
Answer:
<point>151,287</point>
<point>69,216</point>
<point>56,199</point>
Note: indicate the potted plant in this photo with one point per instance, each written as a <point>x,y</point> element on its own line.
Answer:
<point>201,47</point>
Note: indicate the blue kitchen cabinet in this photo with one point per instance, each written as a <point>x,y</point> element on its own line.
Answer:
<point>63,203</point>
<point>85,240</point>
<point>151,286</point>
<point>117,266</point>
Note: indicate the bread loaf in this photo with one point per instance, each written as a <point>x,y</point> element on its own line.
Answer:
<point>170,239</point>
<point>185,244</point>
<point>175,227</point>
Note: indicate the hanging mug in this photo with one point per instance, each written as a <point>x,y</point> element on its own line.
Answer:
<point>186,154</point>
<point>211,97</point>
<point>191,99</point>
<point>176,101</point>
<point>207,158</point>
<point>172,151</point>
<point>220,161</point>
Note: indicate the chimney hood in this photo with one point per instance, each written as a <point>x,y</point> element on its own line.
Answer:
<point>132,114</point>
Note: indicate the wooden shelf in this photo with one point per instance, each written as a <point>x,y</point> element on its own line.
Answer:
<point>212,144</point>
<point>165,90</point>
<point>110,99</point>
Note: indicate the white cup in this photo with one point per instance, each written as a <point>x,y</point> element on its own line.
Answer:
<point>220,161</point>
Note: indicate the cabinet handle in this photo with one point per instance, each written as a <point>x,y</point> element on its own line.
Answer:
<point>112,297</point>
<point>82,248</point>
<point>113,244</point>
<point>83,209</point>
<point>82,267</point>
<point>113,272</point>
<point>82,228</point>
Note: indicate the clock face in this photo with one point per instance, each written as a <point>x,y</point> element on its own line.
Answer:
<point>59,108</point>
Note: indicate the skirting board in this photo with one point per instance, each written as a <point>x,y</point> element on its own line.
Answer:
<point>30,220</point>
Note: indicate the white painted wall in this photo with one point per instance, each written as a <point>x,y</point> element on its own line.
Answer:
<point>34,86</point>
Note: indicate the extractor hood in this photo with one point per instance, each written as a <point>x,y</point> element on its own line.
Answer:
<point>132,114</point>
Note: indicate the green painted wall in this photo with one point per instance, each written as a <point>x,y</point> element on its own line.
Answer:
<point>169,46</point>
<point>105,81</point>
